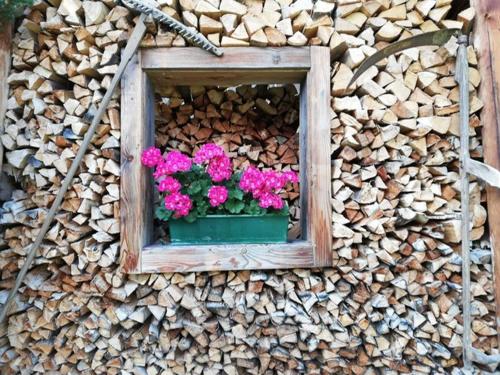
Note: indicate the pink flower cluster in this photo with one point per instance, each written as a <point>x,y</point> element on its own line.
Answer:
<point>151,157</point>
<point>217,195</point>
<point>252,180</point>
<point>174,162</point>
<point>265,186</point>
<point>170,185</point>
<point>179,203</point>
<point>165,167</point>
<point>267,199</point>
<point>219,165</point>
<point>207,152</point>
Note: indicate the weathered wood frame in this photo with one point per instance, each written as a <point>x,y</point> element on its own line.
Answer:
<point>486,36</point>
<point>309,66</point>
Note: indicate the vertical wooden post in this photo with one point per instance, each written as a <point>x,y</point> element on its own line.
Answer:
<point>315,157</point>
<point>462,78</point>
<point>136,211</point>
<point>5,42</point>
<point>486,37</point>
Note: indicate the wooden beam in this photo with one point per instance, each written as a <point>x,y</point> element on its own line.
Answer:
<point>5,41</point>
<point>163,79</point>
<point>136,184</point>
<point>234,58</point>
<point>486,37</point>
<point>315,162</point>
<point>180,258</point>
<point>238,65</point>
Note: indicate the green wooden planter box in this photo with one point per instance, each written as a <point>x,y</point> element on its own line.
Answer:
<point>221,229</point>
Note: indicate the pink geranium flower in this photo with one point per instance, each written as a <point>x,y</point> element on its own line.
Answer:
<point>291,176</point>
<point>256,182</point>
<point>207,152</point>
<point>274,180</point>
<point>179,203</point>
<point>178,162</point>
<point>267,200</point>
<point>174,162</point>
<point>217,195</point>
<point>252,180</point>
<point>162,169</point>
<point>169,184</point>
<point>151,157</point>
<point>220,168</point>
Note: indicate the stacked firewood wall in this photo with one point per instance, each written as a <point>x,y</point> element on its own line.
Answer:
<point>392,298</point>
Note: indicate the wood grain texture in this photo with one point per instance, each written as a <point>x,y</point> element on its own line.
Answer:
<point>487,35</point>
<point>315,157</point>
<point>5,41</point>
<point>163,79</point>
<point>137,129</point>
<point>165,258</point>
<point>234,58</point>
<point>462,77</point>
<point>484,172</point>
<point>192,66</point>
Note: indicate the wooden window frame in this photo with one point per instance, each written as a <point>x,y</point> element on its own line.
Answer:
<point>309,66</point>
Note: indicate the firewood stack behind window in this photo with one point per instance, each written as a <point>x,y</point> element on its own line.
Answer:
<point>256,124</point>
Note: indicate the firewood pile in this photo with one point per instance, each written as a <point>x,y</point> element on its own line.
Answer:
<point>391,300</point>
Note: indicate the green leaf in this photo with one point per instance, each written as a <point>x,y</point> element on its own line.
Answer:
<point>197,168</point>
<point>194,188</point>
<point>253,208</point>
<point>191,217</point>
<point>205,186</point>
<point>163,214</point>
<point>285,210</point>
<point>234,206</point>
<point>235,194</point>
<point>236,177</point>
<point>11,9</point>
<point>202,208</point>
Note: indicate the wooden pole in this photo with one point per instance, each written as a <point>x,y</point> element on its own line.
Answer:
<point>462,77</point>
<point>130,49</point>
<point>5,41</point>
<point>486,37</point>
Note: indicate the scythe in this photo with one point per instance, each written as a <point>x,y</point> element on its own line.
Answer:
<point>433,38</point>
<point>468,167</point>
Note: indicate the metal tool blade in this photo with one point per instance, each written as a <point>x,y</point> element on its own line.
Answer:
<point>433,38</point>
